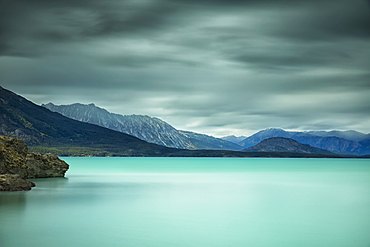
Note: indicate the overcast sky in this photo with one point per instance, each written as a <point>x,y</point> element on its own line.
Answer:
<point>218,67</point>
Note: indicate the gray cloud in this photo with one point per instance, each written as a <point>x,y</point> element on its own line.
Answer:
<point>217,67</point>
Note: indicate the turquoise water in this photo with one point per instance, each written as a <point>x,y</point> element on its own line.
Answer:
<point>185,202</point>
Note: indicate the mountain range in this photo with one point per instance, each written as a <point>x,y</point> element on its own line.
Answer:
<point>340,142</point>
<point>46,131</point>
<point>150,129</point>
<point>155,130</point>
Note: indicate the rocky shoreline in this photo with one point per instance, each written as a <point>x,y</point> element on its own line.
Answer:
<point>13,182</point>
<point>17,165</point>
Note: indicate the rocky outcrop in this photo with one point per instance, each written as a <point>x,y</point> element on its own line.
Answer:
<point>17,164</point>
<point>45,166</point>
<point>13,182</point>
<point>13,153</point>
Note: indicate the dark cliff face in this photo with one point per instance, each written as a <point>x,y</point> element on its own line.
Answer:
<point>16,164</point>
<point>281,144</point>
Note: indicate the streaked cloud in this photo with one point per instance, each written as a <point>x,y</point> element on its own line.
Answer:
<point>217,67</point>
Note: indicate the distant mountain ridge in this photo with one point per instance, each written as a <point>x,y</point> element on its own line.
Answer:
<point>202,141</point>
<point>333,141</point>
<point>282,144</point>
<point>150,129</point>
<point>348,134</point>
<point>234,139</point>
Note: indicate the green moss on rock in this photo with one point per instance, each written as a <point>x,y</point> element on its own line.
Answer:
<point>16,160</point>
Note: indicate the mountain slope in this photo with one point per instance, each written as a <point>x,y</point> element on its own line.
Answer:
<point>262,135</point>
<point>202,141</point>
<point>234,139</point>
<point>281,144</point>
<point>332,143</point>
<point>147,128</point>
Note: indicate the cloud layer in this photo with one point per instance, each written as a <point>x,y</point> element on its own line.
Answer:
<point>217,67</point>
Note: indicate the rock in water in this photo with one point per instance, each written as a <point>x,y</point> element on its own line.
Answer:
<point>45,166</point>
<point>13,182</point>
<point>15,160</point>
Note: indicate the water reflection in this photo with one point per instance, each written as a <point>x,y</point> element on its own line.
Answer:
<point>15,200</point>
<point>12,208</point>
<point>50,183</point>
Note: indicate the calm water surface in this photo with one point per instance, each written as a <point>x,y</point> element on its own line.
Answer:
<point>185,202</point>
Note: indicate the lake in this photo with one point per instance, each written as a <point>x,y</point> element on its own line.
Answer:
<point>193,202</point>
